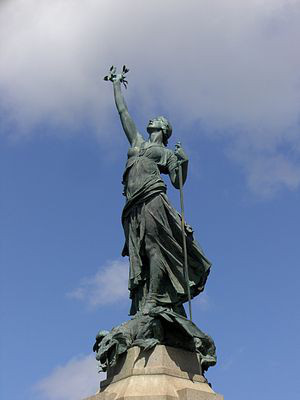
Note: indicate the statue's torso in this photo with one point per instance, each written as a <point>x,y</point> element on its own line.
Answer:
<point>143,168</point>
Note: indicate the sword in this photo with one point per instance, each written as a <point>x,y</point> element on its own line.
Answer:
<point>186,271</point>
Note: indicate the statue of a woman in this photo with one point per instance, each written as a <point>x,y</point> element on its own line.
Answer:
<point>152,227</point>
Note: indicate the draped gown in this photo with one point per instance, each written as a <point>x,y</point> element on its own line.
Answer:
<point>148,217</point>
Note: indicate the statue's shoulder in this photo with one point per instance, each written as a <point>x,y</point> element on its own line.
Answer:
<point>169,154</point>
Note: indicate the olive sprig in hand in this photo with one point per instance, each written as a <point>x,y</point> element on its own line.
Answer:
<point>114,77</point>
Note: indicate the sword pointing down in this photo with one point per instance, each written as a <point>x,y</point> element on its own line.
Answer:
<point>186,271</point>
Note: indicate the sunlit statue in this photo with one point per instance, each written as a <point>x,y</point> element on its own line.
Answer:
<point>154,241</point>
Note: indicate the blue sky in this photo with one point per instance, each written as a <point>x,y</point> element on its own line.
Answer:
<point>227,76</point>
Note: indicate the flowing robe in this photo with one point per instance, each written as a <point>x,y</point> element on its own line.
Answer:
<point>149,217</point>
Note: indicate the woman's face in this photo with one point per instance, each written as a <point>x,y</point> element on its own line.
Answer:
<point>154,124</point>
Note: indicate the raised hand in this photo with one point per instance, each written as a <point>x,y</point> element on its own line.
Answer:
<point>114,77</point>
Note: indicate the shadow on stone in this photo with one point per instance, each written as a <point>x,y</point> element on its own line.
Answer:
<point>190,364</point>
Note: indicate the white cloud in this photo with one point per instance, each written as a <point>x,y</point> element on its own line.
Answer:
<point>75,380</point>
<point>109,285</point>
<point>233,66</point>
<point>50,67</point>
<point>268,173</point>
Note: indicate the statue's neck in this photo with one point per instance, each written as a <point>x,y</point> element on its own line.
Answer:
<point>156,137</point>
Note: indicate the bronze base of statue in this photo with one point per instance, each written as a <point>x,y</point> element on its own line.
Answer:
<point>163,372</point>
<point>161,326</point>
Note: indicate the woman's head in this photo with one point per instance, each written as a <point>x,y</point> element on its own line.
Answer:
<point>160,123</point>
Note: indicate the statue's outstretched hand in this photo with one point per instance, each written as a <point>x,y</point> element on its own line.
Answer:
<point>114,77</point>
<point>180,153</point>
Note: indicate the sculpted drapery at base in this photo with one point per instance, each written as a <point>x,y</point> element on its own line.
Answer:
<point>153,242</point>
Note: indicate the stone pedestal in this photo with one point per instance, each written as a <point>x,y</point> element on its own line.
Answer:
<point>163,373</point>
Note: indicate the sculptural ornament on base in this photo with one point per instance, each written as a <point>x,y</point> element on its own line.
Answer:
<point>159,245</point>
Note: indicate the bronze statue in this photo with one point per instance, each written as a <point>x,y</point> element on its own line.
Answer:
<point>154,244</point>
<point>151,225</point>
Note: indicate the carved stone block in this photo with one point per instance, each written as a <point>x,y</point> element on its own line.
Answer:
<point>163,373</point>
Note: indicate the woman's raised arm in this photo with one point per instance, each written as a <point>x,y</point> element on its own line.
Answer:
<point>133,136</point>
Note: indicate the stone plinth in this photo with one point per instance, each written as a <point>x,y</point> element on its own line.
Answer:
<point>163,373</point>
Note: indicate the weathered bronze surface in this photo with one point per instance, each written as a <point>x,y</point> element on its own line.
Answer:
<point>154,244</point>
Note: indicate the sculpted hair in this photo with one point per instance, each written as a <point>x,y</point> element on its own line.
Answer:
<point>167,129</point>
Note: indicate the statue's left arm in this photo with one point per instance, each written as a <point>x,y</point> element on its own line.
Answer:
<point>179,157</point>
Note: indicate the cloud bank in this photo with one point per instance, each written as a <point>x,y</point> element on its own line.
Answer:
<point>231,66</point>
<point>108,286</point>
<point>75,380</point>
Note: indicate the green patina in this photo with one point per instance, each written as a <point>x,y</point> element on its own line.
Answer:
<point>154,243</point>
